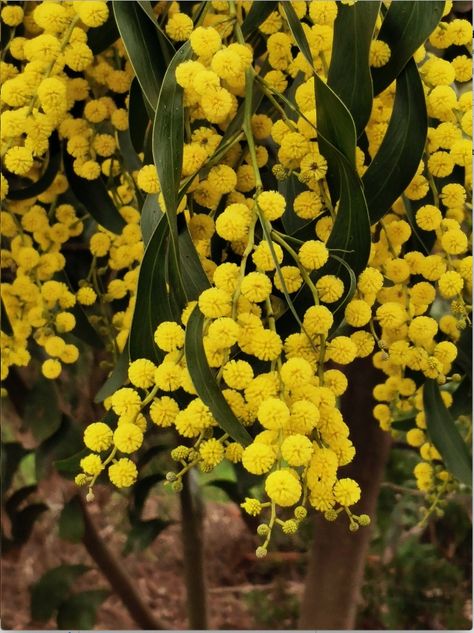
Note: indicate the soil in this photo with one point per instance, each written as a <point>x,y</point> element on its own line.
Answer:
<point>239,585</point>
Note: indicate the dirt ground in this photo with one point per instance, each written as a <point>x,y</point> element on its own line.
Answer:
<point>236,580</point>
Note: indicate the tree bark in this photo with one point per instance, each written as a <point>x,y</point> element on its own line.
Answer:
<point>193,555</point>
<point>337,559</point>
<point>113,571</point>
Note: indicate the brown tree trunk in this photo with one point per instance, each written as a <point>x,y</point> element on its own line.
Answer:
<point>193,555</point>
<point>337,559</point>
<point>113,570</point>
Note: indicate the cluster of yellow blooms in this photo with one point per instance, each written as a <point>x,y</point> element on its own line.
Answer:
<point>283,388</point>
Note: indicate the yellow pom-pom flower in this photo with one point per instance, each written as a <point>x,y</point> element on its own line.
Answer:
<point>128,438</point>
<point>283,488</point>
<point>98,437</point>
<point>346,492</point>
<point>123,473</point>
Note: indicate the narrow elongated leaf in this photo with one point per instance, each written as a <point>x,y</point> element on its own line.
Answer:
<point>101,37</point>
<point>349,72</point>
<point>151,215</point>
<point>335,123</point>
<point>93,195</point>
<point>405,28</point>
<point>71,521</point>
<point>46,178</point>
<point>444,434</point>
<point>289,189</point>
<point>84,329</point>
<point>152,303</point>
<point>138,116</point>
<point>258,13</point>
<point>168,129</point>
<point>142,43</point>
<point>52,588</point>
<point>11,454</point>
<point>140,491</point>
<point>79,611</point>
<point>116,378</point>
<point>6,325</point>
<point>142,534</point>
<point>194,278</point>
<point>66,440</point>
<point>22,522</point>
<point>399,155</point>
<point>42,412</point>
<point>205,383</point>
<point>70,466</point>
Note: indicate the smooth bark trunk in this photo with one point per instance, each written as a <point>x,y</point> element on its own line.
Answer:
<point>337,559</point>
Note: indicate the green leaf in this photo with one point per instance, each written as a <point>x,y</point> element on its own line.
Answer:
<point>150,216</point>
<point>205,383</point>
<point>11,454</point>
<point>94,196</point>
<point>138,116</point>
<point>117,377</point>
<point>42,414</point>
<point>140,491</point>
<point>462,398</point>
<point>152,301</point>
<point>405,28</point>
<point>335,123</point>
<point>51,590</point>
<point>22,522</point>
<point>168,130</point>
<point>79,611</point>
<point>71,521</point>
<point>70,466</point>
<point>349,72</point>
<point>66,440</point>
<point>399,155</point>
<point>103,36</point>
<point>444,434</point>
<point>6,325</point>
<point>36,188</point>
<point>142,534</point>
<point>194,278</point>
<point>141,39</point>
<point>258,13</point>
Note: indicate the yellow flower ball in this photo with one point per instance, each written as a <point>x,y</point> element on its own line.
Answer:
<point>128,438</point>
<point>98,437</point>
<point>283,488</point>
<point>123,473</point>
<point>346,492</point>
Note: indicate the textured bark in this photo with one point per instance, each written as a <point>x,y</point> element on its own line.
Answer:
<point>114,572</point>
<point>193,555</point>
<point>337,559</point>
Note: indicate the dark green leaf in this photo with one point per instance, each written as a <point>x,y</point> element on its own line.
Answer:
<point>17,498</point>
<point>138,116</point>
<point>335,123</point>
<point>398,157</point>
<point>51,590</point>
<point>116,379</point>
<point>258,13</point>
<point>11,454</point>
<point>289,189</point>
<point>151,215</point>
<point>349,72</point>
<point>152,303</point>
<point>462,399</point>
<point>71,465</point>
<point>66,440</point>
<point>403,425</point>
<point>445,435</point>
<point>94,196</point>
<point>142,43</point>
<point>84,330</point>
<point>54,163</point>
<point>131,161</point>
<point>142,534</point>
<point>168,130</point>
<point>194,278</point>
<point>6,325</point>
<point>71,521</point>
<point>405,28</point>
<point>205,383</point>
<point>100,38</point>
<point>42,414</point>
<point>22,522</point>
<point>79,611</point>
<point>140,491</point>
